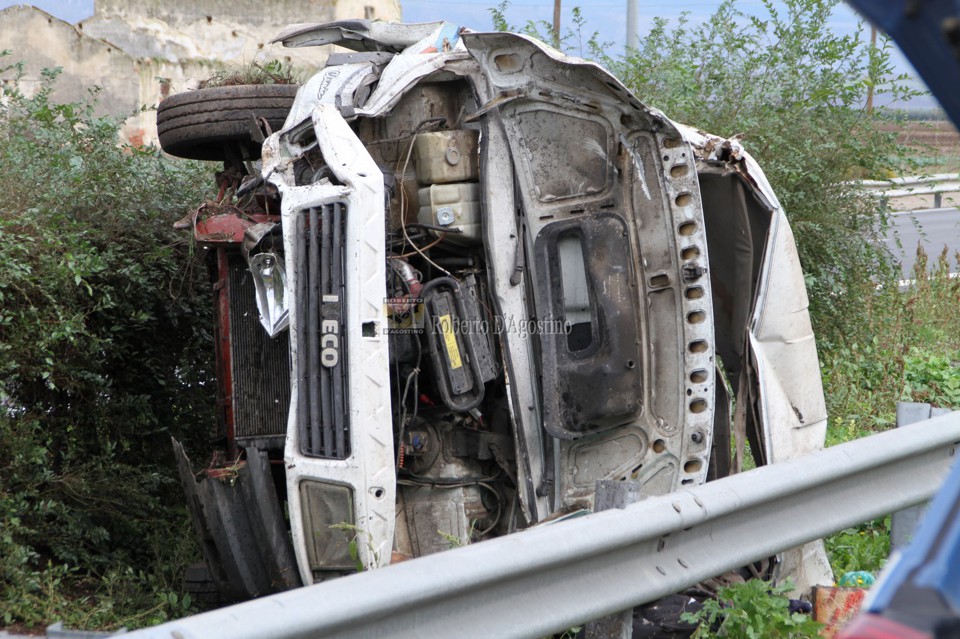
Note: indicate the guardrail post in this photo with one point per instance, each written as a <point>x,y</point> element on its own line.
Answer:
<point>614,494</point>
<point>938,200</point>
<point>903,523</point>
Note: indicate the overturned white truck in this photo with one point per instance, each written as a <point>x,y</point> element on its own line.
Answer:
<point>470,277</point>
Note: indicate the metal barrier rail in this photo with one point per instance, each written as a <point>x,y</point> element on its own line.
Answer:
<point>904,187</point>
<point>556,576</point>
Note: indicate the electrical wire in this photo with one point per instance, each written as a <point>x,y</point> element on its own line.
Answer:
<point>415,376</point>
<point>418,250</point>
<point>403,199</point>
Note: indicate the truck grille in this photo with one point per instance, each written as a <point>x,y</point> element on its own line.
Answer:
<point>260,366</point>
<point>321,345</point>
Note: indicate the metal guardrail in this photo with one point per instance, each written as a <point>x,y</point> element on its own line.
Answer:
<point>556,576</point>
<point>914,186</point>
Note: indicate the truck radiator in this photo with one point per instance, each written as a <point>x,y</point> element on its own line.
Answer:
<point>321,346</point>
<point>260,366</point>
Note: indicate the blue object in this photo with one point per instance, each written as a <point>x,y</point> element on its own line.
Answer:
<point>928,33</point>
<point>922,588</point>
<point>856,579</point>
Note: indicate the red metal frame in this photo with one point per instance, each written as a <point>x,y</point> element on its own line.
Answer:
<point>227,228</point>
<point>223,351</point>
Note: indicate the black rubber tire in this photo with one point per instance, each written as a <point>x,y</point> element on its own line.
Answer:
<point>203,124</point>
<point>199,583</point>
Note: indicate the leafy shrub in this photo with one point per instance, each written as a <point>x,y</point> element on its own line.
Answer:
<point>903,350</point>
<point>932,378</point>
<point>104,353</point>
<point>865,547</point>
<point>755,609</point>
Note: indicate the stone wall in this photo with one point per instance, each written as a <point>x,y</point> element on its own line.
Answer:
<point>41,41</point>
<point>138,51</point>
<point>257,14</point>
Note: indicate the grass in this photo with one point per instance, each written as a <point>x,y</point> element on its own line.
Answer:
<point>904,351</point>
<point>121,596</point>
<point>272,72</point>
<point>863,547</point>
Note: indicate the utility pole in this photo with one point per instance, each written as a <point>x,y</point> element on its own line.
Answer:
<point>873,51</point>
<point>556,23</point>
<point>633,24</point>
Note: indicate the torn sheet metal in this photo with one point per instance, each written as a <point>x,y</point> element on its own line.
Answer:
<point>370,35</point>
<point>779,356</point>
<point>792,405</point>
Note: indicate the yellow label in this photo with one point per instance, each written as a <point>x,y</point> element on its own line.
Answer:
<point>450,340</point>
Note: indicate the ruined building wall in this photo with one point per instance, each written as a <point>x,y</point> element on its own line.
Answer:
<point>255,13</point>
<point>138,51</point>
<point>41,41</point>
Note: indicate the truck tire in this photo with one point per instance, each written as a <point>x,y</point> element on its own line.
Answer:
<point>199,583</point>
<point>203,124</point>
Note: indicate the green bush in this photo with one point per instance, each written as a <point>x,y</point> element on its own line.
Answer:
<point>903,350</point>
<point>932,378</point>
<point>865,547</point>
<point>755,609</point>
<point>104,353</point>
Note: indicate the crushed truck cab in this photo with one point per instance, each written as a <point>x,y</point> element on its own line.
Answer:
<point>483,276</point>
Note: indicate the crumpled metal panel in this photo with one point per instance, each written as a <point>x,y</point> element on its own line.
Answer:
<point>792,406</point>
<point>509,294</point>
<point>787,371</point>
<point>237,516</point>
<point>344,86</point>
<point>633,165</point>
<point>369,35</point>
<point>782,368</point>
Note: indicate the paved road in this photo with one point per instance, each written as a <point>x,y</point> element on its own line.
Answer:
<point>932,228</point>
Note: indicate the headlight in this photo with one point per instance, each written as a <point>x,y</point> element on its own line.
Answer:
<point>328,525</point>
<point>270,278</point>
